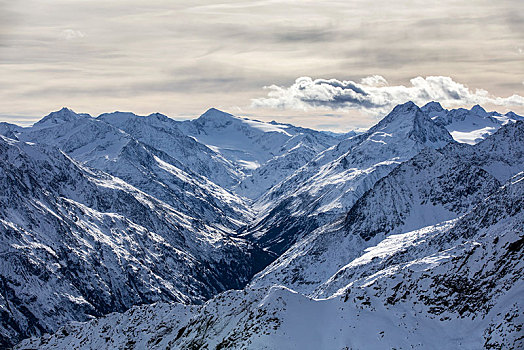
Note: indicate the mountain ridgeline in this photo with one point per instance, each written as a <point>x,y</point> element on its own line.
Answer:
<point>128,231</point>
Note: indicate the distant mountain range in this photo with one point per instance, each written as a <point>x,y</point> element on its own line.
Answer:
<point>225,232</point>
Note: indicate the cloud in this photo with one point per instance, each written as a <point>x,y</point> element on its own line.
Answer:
<point>374,95</point>
<point>70,34</point>
<point>22,120</point>
<point>145,56</point>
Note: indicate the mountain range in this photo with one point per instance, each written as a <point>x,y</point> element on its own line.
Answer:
<point>128,231</point>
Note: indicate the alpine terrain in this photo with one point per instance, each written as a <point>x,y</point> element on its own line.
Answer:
<point>125,231</point>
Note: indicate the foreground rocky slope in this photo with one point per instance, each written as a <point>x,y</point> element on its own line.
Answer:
<point>454,285</point>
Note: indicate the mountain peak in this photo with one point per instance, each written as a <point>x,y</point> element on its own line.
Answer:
<point>65,110</point>
<point>432,106</point>
<point>213,110</point>
<point>513,115</point>
<point>159,116</point>
<point>407,106</point>
<point>213,113</point>
<point>215,118</point>
<point>116,114</point>
<point>401,113</point>
<point>409,120</point>
<point>62,116</point>
<point>477,109</point>
<point>118,117</point>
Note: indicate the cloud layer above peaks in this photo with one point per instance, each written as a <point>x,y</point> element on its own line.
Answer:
<point>182,57</point>
<point>374,95</point>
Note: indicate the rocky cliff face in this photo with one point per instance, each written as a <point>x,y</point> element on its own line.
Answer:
<point>329,185</point>
<point>79,243</point>
<point>434,186</point>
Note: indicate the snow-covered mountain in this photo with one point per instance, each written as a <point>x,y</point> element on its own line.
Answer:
<point>432,187</point>
<point>469,125</point>
<point>163,133</point>
<point>458,284</point>
<point>265,152</point>
<point>393,237</point>
<point>100,145</point>
<point>9,130</point>
<point>331,183</point>
<point>77,243</point>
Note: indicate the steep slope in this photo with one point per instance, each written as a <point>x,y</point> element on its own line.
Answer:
<point>469,125</point>
<point>494,226</point>
<point>455,285</point>
<point>9,130</point>
<point>331,183</point>
<point>141,327</point>
<point>252,144</point>
<point>162,133</point>
<point>77,244</point>
<point>296,152</point>
<point>437,185</point>
<point>100,145</point>
<point>434,186</point>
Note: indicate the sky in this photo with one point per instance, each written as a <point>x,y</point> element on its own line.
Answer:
<point>332,65</point>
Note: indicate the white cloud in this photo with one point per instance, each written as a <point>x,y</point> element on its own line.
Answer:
<point>374,80</point>
<point>374,95</point>
<point>70,34</point>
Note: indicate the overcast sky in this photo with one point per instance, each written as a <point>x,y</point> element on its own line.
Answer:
<point>325,64</point>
